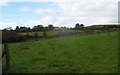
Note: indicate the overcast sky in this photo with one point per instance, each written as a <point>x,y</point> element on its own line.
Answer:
<point>57,12</point>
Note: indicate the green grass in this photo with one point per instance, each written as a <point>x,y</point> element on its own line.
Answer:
<point>30,33</point>
<point>49,33</point>
<point>71,54</point>
<point>0,57</point>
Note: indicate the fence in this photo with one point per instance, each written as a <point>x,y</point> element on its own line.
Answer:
<point>6,57</point>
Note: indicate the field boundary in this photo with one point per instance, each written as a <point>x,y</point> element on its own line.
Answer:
<point>6,55</point>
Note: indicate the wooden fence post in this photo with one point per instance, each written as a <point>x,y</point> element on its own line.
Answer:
<point>6,54</point>
<point>7,58</point>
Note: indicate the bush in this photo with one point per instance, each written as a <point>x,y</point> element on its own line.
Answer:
<point>44,34</point>
<point>11,36</point>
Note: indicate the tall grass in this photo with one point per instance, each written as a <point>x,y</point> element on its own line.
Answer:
<point>70,54</point>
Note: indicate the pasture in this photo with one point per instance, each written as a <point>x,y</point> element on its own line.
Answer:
<point>49,33</point>
<point>97,53</point>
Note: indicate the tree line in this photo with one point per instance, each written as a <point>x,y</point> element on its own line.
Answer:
<point>50,27</point>
<point>9,35</point>
<point>35,28</point>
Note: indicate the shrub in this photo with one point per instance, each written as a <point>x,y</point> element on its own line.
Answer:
<point>11,36</point>
<point>44,34</point>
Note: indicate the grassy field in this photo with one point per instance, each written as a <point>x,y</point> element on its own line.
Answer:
<point>49,33</point>
<point>96,53</point>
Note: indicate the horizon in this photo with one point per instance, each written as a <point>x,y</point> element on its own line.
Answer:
<point>60,14</point>
<point>57,26</point>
